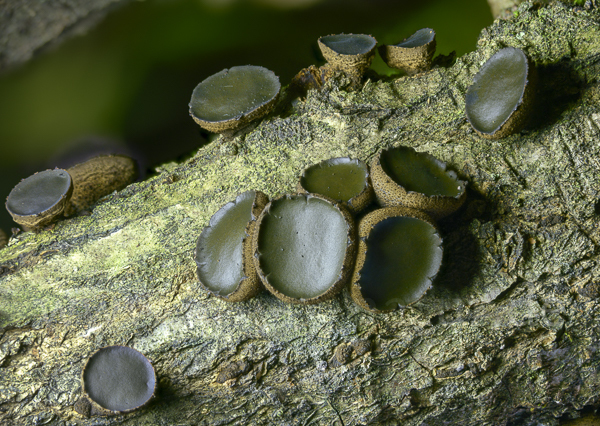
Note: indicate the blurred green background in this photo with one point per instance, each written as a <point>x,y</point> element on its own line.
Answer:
<point>127,83</point>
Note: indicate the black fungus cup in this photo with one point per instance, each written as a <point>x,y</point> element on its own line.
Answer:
<point>304,247</point>
<point>342,179</point>
<point>500,100</point>
<point>224,256</point>
<point>402,176</point>
<point>118,380</point>
<point>399,255</point>
<point>232,98</point>
<point>413,55</point>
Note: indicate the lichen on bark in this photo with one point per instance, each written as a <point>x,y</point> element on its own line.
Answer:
<point>507,335</point>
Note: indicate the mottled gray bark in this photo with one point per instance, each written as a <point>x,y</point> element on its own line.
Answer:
<point>509,333</point>
<point>28,26</point>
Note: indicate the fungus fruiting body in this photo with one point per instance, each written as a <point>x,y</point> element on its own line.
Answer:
<point>224,249</point>
<point>304,247</point>
<point>342,179</point>
<point>402,176</point>
<point>351,53</point>
<point>413,55</point>
<point>499,100</point>
<point>98,177</point>
<point>3,239</point>
<point>118,379</point>
<point>399,254</point>
<point>41,198</point>
<point>232,98</point>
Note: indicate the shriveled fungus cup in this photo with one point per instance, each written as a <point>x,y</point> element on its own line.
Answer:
<point>352,53</point>
<point>98,177</point>
<point>499,101</point>
<point>342,179</point>
<point>403,177</point>
<point>399,255</point>
<point>413,55</point>
<point>41,198</point>
<point>232,98</point>
<point>224,249</point>
<point>118,380</point>
<point>304,247</point>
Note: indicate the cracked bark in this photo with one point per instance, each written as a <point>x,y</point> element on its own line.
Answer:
<point>508,334</point>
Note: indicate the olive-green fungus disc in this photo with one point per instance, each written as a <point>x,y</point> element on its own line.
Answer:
<point>399,255</point>
<point>403,177</point>
<point>412,55</point>
<point>40,199</point>
<point>342,179</point>
<point>118,379</point>
<point>224,249</point>
<point>232,98</point>
<point>98,177</point>
<point>304,247</point>
<point>352,53</point>
<point>499,101</point>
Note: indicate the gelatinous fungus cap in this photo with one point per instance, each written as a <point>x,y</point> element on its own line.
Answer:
<point>232,98</point>
<point>99,176</point>
<point>399,255</point>
<point>40,199</point>
<point>413,55</point>
<point>499,101</point>
<point>224,249</point>
<point>351,53</point>
<point>403,176</point>
<point>342,179</point>
<point>117,380</point>
<point>304,247</point>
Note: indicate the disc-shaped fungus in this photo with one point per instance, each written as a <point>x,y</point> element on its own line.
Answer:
<point>499,101</point>
<point>232,98</point>
<point>399,254</point>
<point>304,247</point>
<point>117,380</point>
<point>40,199</point>
<point>224,249</point>
<point>342,179</point>
<point>405,177</point>
<point>412,55</point>
<point>351,53</point>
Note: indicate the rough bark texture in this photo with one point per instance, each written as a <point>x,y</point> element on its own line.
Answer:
<point>509,333</point>
<point>27,26</point>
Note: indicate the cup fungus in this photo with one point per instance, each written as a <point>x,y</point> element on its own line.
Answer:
<point>399,255</point>
<point>499,101</point>
<point>342,179</point>
<point>41,198</point>
<point>99,176</point>
<point>3,239</point>
<point>351,53</point>
<point>232,98</point>
<point>224,249</point>
<point>304,247</point>
<point>402,176</point>
<point>412,55</point>
<point>118,380</point>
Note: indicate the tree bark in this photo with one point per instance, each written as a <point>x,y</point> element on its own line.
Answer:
<point>507,335</point>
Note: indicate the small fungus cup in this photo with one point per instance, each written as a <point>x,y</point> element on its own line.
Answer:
<point>413,55</point>
<point>232,98</point>
<point>404,177</point>
<point>98,177</point>
<point>118,380</point>
<point>304,247</point>
<point>224,249</point>
<point>352,53</point>
<point>499,101</point>
<point>399,255</point>
<point>3,239</point>
<point>342,179</point>
<point>40,199</point>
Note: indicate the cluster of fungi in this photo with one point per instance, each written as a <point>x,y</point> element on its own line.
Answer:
<point>306,246</point>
